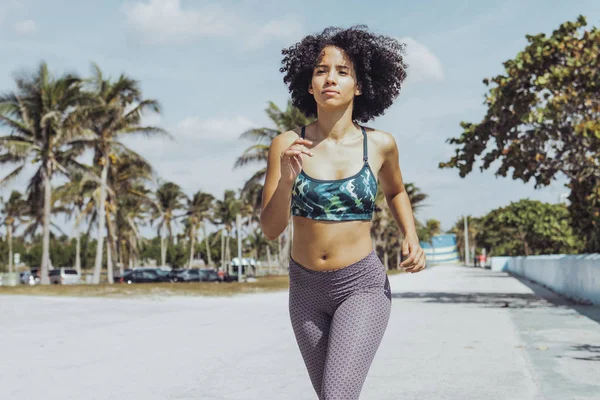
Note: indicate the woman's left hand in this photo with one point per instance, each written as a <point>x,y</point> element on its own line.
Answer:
<point>415,261</point>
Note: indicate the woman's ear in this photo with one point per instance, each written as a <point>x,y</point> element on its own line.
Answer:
<point>357,92</point>
<point>310,89</point>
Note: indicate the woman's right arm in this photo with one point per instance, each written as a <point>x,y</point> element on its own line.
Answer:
<point>284,163</point>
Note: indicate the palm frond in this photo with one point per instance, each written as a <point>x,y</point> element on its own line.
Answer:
<point>8,178</point>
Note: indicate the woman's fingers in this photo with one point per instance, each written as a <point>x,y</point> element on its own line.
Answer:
<point>293,151</point>
<point>303,141</point>
<point>408,261</point>
<point>297,163</point>
<point>419,264</point>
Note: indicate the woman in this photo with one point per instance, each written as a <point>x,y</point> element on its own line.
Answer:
<point>339,298</point>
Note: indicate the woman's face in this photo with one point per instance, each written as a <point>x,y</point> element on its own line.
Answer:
<point>333,82</point>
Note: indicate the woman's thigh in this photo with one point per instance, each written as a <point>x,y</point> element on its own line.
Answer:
<point>311,328</point>
<point>357,328</point>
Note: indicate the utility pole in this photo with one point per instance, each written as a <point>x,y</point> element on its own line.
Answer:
<point>466,241</point>
<point>238,223</point>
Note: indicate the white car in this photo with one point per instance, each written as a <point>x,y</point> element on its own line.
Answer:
<point>64,276</point>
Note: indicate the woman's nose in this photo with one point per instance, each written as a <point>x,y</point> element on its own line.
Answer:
<point>331,77</point>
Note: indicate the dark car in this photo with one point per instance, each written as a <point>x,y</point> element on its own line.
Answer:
<point>198,275</point>
<point>174,274</point>
<point>145,276</point>
<point>209,275</point>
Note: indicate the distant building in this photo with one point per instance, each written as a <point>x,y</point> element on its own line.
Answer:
<point>443,249</point>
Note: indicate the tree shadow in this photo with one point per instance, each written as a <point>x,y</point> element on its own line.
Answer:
<point>588,310</point>
<point>483,299</point>
<point>540,298</point>
<point>592,352</point>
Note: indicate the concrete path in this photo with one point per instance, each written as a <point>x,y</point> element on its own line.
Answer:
<point>454,333</point>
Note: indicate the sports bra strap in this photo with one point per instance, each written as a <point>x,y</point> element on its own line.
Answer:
<point>365,152</point>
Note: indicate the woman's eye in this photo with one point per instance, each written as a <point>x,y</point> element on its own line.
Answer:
<point>342,73</point>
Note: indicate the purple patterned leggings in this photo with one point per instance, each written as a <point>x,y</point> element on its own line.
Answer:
<point>339,318</point>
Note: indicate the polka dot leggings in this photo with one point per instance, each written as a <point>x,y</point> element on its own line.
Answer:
<point>339,318</point>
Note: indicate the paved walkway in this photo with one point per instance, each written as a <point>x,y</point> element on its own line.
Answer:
<point>454,333</point>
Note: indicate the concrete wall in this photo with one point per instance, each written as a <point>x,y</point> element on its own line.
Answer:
<point>574,276</point>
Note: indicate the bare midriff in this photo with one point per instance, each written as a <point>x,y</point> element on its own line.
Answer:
<point>330,245</point>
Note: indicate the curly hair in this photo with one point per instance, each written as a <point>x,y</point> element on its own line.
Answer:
<point>378,62</point>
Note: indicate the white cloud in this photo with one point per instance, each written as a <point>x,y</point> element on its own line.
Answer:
<point>26,27</point>
<point>284,28</point>
<point>213,129</point>
<point>423,65</point>
<point>202,156</point>
<point>165,21</point>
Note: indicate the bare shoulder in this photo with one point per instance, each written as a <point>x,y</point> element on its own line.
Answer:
<point>285,139</point>
<point>383,141</point>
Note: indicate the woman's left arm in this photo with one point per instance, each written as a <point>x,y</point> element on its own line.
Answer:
<point>390,178</point>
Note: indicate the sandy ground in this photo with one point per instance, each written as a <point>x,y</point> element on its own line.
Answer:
<point>454,333</point>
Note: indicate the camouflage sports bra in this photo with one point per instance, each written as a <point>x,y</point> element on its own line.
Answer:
<point>346,199</point>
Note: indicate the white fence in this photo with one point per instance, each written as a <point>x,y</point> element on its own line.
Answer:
<point>574,276</point>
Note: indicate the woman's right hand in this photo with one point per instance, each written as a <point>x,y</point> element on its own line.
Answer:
<point>291,159</point>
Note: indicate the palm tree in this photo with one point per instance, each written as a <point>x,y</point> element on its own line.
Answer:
<point>224,214</point>
<point>251,199</point>
<point>169,198</point>
<point>429,230</point>
<point>116,113</point>
<point>38,115</point>
<point>132,212</point>
<point>384,230</point>
<point>132,204</point>
<point>127,205</point>
<point>198,211</point>
<point>284,121</point>
<point>12,215</point>
<point>74,194</point>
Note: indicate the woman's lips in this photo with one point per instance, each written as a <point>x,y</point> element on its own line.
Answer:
<point>330,92</point>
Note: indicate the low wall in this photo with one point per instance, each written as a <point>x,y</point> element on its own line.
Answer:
<point>9,279</point>
<point>574,276</point>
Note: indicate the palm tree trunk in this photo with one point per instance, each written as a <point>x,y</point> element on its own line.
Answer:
<point>121,255</point>
<point>269,259</point>
<point>78,253</point>
<point>207,244</point>
<point>10,247</point>
<point>192,242</point>
<point>101,222</point>
<point>109,264</point>
<point>163,248</point>
<point>44,278</point>
<point>385,258</point>
<point>223,249</point>
<point>228,253</point>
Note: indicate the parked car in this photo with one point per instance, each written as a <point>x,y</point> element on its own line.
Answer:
<point>174,274</point>
<point>29,278</point>
<point>64,276</point>
<point>198,275</point>
<point>145,275</point>
<point>209,275</point>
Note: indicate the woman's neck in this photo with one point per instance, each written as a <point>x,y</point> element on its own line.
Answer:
<point>334,124</point>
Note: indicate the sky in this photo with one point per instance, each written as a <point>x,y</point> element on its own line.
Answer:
<point>214,66</point>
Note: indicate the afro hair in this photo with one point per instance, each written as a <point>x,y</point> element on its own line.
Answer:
<point>378,62</point>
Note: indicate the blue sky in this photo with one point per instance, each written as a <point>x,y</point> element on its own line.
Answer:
<point>215,65</point>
